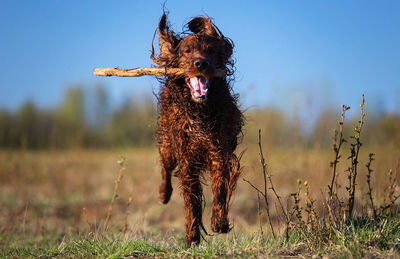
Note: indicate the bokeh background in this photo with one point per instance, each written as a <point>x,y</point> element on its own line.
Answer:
<point>62,129</point>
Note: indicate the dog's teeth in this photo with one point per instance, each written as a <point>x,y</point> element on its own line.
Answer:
<point>206,90</point>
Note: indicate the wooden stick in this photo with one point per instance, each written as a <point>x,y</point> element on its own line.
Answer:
<point>152,71</point>
<point>137,71</point>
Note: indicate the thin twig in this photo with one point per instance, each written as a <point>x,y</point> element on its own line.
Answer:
<point>254,187</point>
<point>265,173</point>
<point>259,216</point>
<point>368,166</point>
<point>266,204</point>
<point>125,227</point>
<point>121,163</point>
<point>268,176</point>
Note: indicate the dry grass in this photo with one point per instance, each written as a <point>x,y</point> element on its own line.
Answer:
<point>62,191</point>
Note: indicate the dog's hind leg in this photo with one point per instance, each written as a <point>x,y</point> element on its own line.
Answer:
<point>168,164</point>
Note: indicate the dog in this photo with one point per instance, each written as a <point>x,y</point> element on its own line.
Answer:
<point>199,123</point>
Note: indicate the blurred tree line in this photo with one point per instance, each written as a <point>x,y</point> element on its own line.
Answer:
<point>279,130</point>
<point>82,121</point>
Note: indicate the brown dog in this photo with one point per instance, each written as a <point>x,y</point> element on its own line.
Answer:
<point>199,123</point>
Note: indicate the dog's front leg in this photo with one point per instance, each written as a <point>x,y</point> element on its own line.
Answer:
<point>193,197</point>
<point>219,175</point>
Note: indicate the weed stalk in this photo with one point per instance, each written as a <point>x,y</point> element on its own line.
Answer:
<point>354,153</point>
<point>121,163</point>
<point>369,193</point>
<point>337,144</point>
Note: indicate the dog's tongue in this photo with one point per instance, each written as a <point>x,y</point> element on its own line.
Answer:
<point>198,86</point>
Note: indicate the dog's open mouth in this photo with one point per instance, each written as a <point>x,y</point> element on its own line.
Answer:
<point>198,87</point>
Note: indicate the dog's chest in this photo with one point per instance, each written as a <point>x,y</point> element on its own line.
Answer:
<point>197,130</point>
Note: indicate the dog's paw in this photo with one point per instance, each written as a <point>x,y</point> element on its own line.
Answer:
<point>164,193</point>
<point>220,226</point>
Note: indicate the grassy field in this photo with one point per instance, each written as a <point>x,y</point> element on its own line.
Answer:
<point>366,241</point>
<point>54,203</point>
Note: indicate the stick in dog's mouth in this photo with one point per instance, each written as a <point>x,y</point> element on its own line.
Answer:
<point>151,71</point>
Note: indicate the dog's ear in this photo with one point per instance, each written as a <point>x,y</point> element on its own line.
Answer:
<point>202,25</point>
<point>167,42</point>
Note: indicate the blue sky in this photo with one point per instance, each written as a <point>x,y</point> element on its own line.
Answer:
<point>294,55</point>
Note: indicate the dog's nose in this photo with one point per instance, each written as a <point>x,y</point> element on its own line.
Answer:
<point>201,64</point>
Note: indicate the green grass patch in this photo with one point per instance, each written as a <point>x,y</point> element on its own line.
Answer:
<point>379,239</point>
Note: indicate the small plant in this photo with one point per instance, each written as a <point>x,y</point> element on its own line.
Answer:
<point>334,204</point>
<point>369,193</point>
<point>317,230</point>
<point>354,154</point>
<point>390,198</point>
<point>121,163</point>
<point>337,144</point>
<point>125,226</point>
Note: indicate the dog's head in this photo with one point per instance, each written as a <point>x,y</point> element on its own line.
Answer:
<point>200,52</point>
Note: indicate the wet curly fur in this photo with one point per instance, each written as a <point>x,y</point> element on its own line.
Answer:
<point>199,122</point>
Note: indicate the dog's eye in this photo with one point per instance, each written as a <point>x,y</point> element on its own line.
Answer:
<point>187,51</point>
